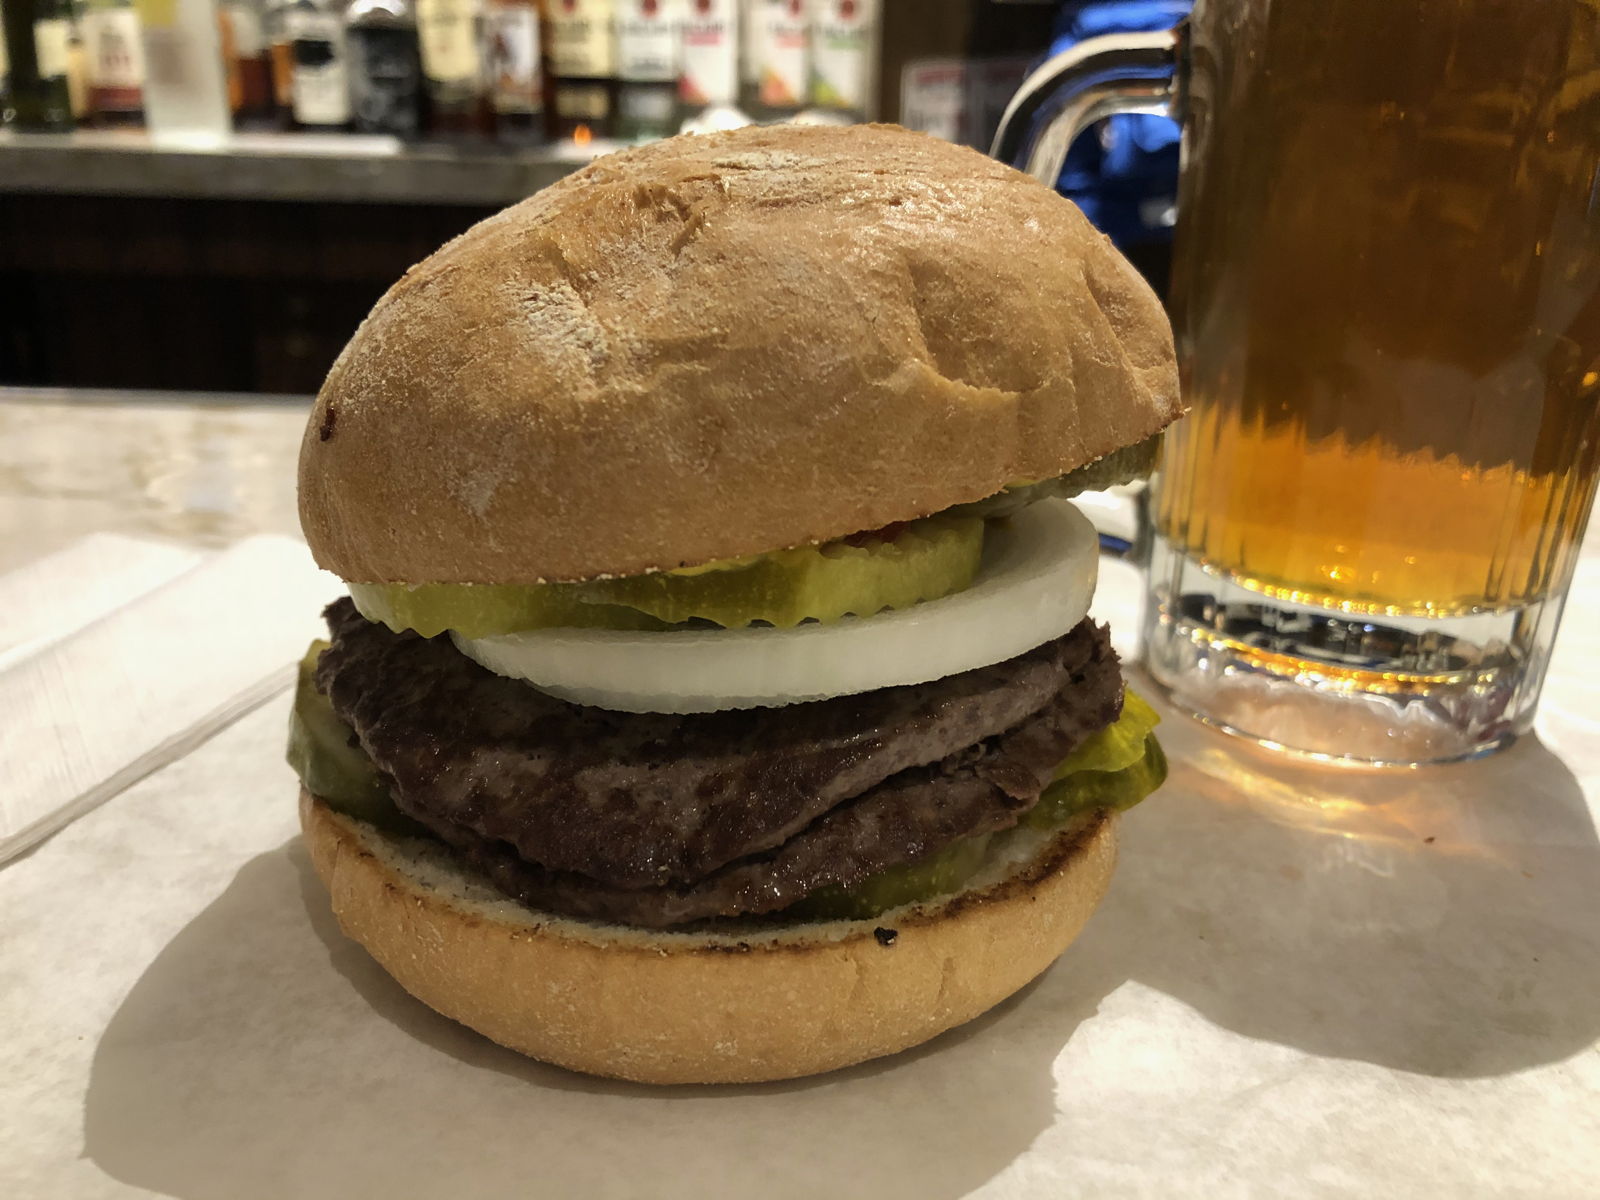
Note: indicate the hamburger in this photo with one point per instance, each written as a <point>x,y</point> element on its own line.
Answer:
<point>716,699</point>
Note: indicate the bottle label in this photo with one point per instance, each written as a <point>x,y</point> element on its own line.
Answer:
<point>933,97</point>
<point>249,41</point>
<point>321,81</point>
<point>648,107</point>
<point>50,46</point>
<point>582,102</point>
<point>843,45</point>
<point>647,41</point>
<point>583,38</point>
<point>511,50</point>
<point>710,53</point>
<point>385,80</point>
<point>115,54</point>
<point>780,53</point>
<point>448,33</point>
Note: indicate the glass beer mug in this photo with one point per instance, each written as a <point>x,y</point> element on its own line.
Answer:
<point>1386,298</point>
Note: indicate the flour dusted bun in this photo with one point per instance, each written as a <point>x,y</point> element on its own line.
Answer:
<point>721,345</point>
<point>697,1007</point>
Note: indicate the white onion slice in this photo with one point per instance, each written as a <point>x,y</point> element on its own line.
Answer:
<point>1037,579</point>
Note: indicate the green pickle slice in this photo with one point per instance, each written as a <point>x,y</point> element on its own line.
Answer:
<point>480,609</point>
<point>1114,769</point>
<point>923,560</point>
<point>324,753</point>
<point>1120,744</point>
<point>943,871</point>
<point>1116,790</point>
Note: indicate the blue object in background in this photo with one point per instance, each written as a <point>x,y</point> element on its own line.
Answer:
<point>1123,172</point>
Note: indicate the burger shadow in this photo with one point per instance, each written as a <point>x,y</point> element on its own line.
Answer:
<point>1437,922</point>
<point>245,1063</point>
<point>1443,921</point>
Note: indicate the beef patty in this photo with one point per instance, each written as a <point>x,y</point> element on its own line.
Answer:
<point>657,819</point>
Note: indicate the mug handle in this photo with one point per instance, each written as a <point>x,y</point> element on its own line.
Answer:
<point>1118,73</point>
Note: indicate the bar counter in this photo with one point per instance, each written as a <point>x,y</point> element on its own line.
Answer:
<point>332,167</point>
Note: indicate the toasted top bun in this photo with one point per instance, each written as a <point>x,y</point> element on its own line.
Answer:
<point>665,1007</point>
<point>722,345</point>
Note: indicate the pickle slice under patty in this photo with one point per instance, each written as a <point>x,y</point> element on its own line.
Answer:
<point>922,560</point>
<point>324,753</point>
<point>948,870</point>
<point>1116,768</point>
<point>1116,790</point>
<point>941,872</point>
<point>1120,744</point>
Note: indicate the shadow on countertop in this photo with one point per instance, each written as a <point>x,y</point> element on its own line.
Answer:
<point>1439,922</point>
<point>1443,921</point>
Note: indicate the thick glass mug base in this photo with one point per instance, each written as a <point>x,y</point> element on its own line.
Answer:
<point>1340,685</point>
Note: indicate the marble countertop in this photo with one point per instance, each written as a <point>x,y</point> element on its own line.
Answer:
<point>201,469</point>
<point>1304,981</point>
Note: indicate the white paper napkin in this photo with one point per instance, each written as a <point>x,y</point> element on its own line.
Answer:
<point>61,593</point>
<point>88,709</point>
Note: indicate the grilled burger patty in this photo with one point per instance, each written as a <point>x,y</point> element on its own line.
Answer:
<point>656,819</point>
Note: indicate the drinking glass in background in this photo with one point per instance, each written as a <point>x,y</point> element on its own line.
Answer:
<point>1386,296</point>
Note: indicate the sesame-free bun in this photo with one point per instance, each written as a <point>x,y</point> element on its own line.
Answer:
<point>662,1007</point>
<point>725,344</point>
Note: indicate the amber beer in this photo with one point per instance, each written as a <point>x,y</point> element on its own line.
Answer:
<point>1388,280</point>
<point>1387,300</point>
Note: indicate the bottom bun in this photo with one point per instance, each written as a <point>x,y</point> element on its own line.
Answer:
<point>706,1007</point>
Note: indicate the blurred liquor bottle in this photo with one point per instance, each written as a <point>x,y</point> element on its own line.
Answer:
<point>845,36</point>
<point>708,88</point>
<point>320,85</point>
<point>452,67</point>
<point>250,65</point>
<point>5,79</point>
<point>77,66</point>
<point>514,63</point>
<point>185,87</point>
<point>777,63</point>
<point>37,33</point>
<point>950,66</point>
<point>233,86</point>
<point>280,57</point>
<point>648,63</point>
<point>582,45</point>
<point>385,67</point>
<point>115,63</point>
